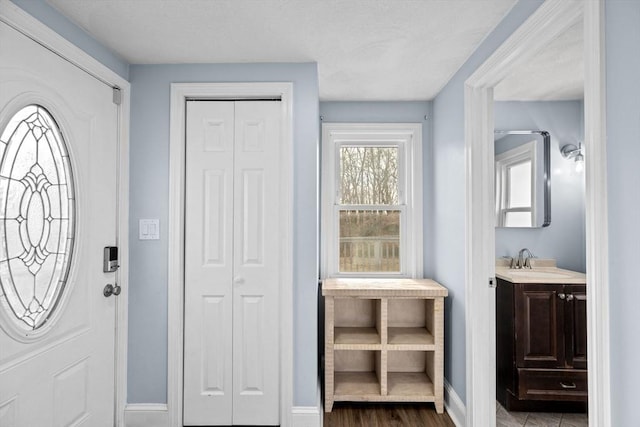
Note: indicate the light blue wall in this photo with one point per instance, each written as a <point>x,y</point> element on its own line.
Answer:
<point>564,239</point>
<point>450,189</point>
<point>376,112</point>
<point>150,86</point>
<point>395,112</point>
<point>70,31</point>
<point>622,37</point>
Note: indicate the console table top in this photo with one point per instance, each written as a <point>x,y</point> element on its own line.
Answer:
<point>383,287</point>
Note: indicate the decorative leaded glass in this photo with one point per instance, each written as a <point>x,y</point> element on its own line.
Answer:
<point>36,217</point>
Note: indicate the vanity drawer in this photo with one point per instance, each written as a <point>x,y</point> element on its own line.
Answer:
<point>557,384</point>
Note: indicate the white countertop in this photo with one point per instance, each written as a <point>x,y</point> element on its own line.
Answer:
<point>550,275</point>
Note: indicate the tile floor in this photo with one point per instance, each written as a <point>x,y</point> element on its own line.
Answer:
<point>520,419</point>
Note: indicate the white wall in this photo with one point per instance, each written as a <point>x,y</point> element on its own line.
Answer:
<point>564,239</point>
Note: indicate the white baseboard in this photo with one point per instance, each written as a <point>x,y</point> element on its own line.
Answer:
<point>156,415</point>
<point>146,415</point>
<point>309,416</point>
<point>306,416</point>
<point>454,406</point>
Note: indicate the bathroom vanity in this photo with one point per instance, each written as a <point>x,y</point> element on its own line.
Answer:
<point>384,341</point>
<point>541,340</point>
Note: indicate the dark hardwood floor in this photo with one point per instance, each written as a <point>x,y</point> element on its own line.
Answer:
<point>385,415</point>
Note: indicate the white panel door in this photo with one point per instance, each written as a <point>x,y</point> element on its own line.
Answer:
<point>256,263</point>
<point>208,263</point>
<point>56,355</point>
<point>232,253</point>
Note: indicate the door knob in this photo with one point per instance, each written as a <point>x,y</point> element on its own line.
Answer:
<point>569,297</point>
<point>238,281</point>
<point>110,289</point>
<point>562,296</point>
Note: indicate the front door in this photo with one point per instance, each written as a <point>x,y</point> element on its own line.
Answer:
<point>58,154</point>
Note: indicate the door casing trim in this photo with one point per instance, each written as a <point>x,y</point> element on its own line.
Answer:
<point>14,16</point>
<point>180,93</point>
<point>547,22</point>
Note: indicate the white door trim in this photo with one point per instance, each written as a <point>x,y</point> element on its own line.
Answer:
<point>180,92</point>
<point>546,23</point>
<point>17,18</point>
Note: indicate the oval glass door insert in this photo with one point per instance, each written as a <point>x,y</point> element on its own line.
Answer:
<point>37,203</point>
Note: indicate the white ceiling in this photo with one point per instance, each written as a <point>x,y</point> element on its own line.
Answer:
<point>365,49</point>
<point>556,74</point>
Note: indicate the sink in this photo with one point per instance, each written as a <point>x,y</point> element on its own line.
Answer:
<point>545,272</point>
<point>533,274</point>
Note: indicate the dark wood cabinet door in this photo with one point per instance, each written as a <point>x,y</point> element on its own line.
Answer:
<point>539,326</point>
<point>576,326</point>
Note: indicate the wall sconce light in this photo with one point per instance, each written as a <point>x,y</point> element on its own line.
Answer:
<point>570,151</point>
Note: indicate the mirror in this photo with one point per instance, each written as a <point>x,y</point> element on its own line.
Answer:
<point>522,178</point>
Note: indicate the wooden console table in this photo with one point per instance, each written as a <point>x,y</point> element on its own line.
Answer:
<point>384,341</point>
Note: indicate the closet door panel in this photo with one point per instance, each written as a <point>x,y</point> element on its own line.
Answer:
<point>256,258</point>
<point>208,383</point>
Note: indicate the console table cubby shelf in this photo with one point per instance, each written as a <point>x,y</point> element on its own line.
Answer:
<point>384,341</point>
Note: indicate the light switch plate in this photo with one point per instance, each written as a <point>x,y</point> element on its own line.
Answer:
<point>149,229</point>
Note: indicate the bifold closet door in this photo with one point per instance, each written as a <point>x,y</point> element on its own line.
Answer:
<point>231,337</point>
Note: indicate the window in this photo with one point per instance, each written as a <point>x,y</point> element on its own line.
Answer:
<point>372,200</point>
<point>37,203</point>
<point>515,187</point>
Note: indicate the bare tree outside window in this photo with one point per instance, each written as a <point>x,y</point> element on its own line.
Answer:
<point>369,175</point>
<point>370,220</point>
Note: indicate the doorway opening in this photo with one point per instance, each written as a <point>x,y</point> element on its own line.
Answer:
<point>550,20</point>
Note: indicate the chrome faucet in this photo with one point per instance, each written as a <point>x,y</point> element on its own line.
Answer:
<point>524,262</point>
<point>510,260</point>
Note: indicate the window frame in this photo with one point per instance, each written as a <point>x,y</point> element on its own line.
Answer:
<point>408,138</point>
<point>503,162</point>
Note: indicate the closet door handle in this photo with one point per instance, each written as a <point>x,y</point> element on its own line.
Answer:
<point>238,281</point>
